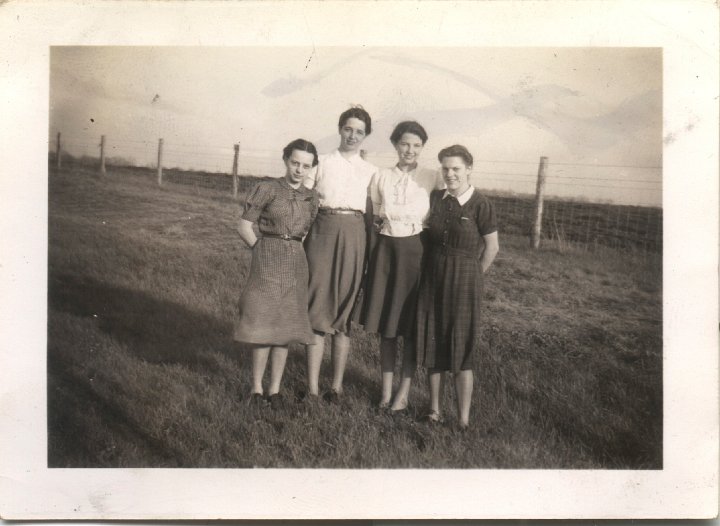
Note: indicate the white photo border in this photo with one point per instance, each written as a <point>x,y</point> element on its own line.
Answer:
<point>686,487</point>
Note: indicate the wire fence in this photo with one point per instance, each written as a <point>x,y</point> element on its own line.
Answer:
<point>567,218</point>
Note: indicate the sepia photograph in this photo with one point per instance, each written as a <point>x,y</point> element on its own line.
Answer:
<point>285,266</point>
<point>165,308</point>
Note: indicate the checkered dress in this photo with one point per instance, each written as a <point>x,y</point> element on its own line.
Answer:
<point>273,303</point>
<point>449,298</point>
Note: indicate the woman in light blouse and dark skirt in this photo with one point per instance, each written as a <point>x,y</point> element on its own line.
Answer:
<point>336,247</point>
<point>401,200</point>
<point>273,302</point>
<point>462,244</point>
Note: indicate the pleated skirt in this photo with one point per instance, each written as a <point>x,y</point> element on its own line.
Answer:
<point>335,248</point>
<point>449,312</point>
<point>390,294</point>
<point>273,303</point>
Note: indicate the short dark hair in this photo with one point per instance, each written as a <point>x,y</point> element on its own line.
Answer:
<point>303,146</point>
<point>356,112</point>
<point>408,127</point>
<point>456,150</point>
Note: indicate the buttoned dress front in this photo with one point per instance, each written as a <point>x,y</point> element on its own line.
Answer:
<point>336,244</point>
<point>451,286</point>
<point>273,302</point>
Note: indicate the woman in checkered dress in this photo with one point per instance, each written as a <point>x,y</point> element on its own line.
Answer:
<point>462,244</point>
<point>273,303</point>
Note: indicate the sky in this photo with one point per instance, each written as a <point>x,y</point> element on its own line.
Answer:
<point>596,113</point>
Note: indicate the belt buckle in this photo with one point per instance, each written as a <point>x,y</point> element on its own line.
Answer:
<point>285,237</point>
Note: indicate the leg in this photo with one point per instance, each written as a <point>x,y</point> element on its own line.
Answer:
<point>314,352</point>
<point>340,351</point>
<point>408,371</point>
<point>388,349</point>
<point>435,386</point>
<point>278,358</point>
<point>463,392</point>
<point>259,361</point>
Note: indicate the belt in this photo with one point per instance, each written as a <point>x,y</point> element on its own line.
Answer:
<point>286,237</point>
<point>339,211</point>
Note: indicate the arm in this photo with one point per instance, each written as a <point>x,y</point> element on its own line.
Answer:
<point>245,230</point>
<point>375,202</point>
<point>257,200</point>
<point>491,249</point>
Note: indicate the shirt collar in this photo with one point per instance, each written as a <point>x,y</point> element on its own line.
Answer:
<point>463,197</point>
<point>284,182</point>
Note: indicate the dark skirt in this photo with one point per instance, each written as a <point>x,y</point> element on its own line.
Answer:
<point>335,248</point>
<point>448,313</point>
<point>273,302</point>
<point>390,293</point>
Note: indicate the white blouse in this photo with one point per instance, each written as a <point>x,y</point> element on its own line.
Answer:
<point>402,199</point>
<point>340,182</point>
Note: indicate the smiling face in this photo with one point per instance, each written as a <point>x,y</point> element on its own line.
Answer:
<point>408,149</point>
<point>298,165</point>
<point>455,174</point>
<point>352,134</point>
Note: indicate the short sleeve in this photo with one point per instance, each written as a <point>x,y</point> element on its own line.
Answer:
<point>256,201</point>
<point>486,220</point>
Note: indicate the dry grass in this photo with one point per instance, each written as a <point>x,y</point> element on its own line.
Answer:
<point>142,371</point>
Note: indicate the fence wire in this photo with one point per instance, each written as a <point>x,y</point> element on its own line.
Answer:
<point>564,220</point>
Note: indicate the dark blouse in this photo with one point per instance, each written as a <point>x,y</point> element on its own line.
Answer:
<point>459,230</point>
<point>278,208</point>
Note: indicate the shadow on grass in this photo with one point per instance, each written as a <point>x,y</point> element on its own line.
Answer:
<point>154,330</point>
<point>70,401</point>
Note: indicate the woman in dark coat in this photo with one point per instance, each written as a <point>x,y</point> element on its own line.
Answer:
<point>273,303</point>
<point>462,244</point>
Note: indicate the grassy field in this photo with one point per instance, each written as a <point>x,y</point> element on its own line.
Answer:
<point>142,372</point>
<point>583,225</point>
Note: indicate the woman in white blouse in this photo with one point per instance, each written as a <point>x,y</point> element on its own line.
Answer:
<point>336,246</point>
<point>400,198</point>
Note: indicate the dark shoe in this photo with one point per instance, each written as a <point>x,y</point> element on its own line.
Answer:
<point>332,397</point>
<point>257,399</point>
<point>276,401</point>
<point>305,396</point>
<point>400,413</point>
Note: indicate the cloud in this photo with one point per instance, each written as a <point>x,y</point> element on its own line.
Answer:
<point>542,105</point>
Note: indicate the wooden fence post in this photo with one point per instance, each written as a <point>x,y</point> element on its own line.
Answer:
<point>102,155</point>
<point>58,152</point>
<point>235,169</point>
<point>159,163</point>
<point>539,192</point>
